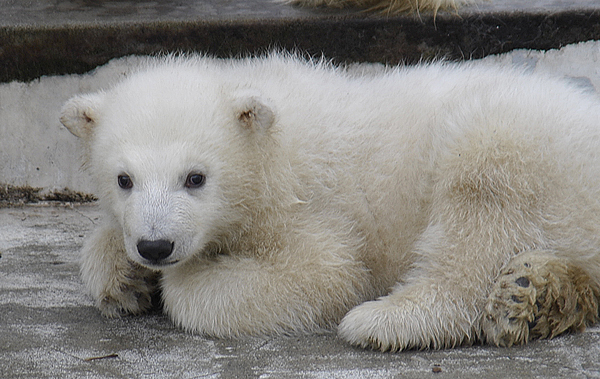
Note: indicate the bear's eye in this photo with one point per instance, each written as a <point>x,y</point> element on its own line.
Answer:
<point>124,181</point>
<point>195,180</point>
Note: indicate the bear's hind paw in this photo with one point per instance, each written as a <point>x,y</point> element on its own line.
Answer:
<point>538,296</point>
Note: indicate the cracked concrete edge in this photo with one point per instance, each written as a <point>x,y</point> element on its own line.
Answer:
<point>20,195</point>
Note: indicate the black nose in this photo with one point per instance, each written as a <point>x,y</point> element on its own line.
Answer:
<point>155,250</point>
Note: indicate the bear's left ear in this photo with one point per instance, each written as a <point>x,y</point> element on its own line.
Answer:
<point>252,112</point>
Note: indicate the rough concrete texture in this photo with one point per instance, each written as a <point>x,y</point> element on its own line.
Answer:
<point>50,329</point>
<point>38,152</point>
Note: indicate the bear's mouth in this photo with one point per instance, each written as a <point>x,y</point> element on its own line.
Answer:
<point>159,264</point>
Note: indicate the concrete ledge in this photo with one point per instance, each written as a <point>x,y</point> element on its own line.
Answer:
<point>68,37</point>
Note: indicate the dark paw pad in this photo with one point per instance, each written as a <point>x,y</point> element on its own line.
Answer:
<point>522,282</point>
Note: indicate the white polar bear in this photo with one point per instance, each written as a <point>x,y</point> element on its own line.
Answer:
<point>273,195</point>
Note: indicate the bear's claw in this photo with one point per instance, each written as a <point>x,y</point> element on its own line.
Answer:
<point>125,303</point>
<point>538,295</point>
<point>133,296</point>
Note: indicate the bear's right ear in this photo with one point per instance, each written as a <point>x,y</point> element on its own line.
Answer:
<point>252,111</point>
<point>80,114</point>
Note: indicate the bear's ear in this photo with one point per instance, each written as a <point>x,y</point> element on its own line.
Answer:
<point>252,112</point>
<point>80,114</point>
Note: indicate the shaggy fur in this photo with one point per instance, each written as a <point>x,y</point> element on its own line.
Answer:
<point>284,196</point>
<point>388,7</point>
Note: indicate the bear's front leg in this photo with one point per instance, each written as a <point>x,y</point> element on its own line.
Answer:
<point>304,287</point>
<point>118,285</point>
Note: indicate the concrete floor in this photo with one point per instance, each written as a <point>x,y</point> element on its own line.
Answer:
<point>50,329</point>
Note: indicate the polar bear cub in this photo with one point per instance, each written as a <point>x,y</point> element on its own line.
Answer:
<point>421,207</point>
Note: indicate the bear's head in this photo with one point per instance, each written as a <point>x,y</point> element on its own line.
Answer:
<point>177,158</point>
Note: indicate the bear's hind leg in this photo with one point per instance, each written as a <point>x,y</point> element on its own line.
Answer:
<point>538,295</point>
<point>491,192</point>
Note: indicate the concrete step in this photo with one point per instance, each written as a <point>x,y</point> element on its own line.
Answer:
<point>49,38</point>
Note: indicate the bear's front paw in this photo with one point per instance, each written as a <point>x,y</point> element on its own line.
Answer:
<point>537,296</point>
<point>132,294</point>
